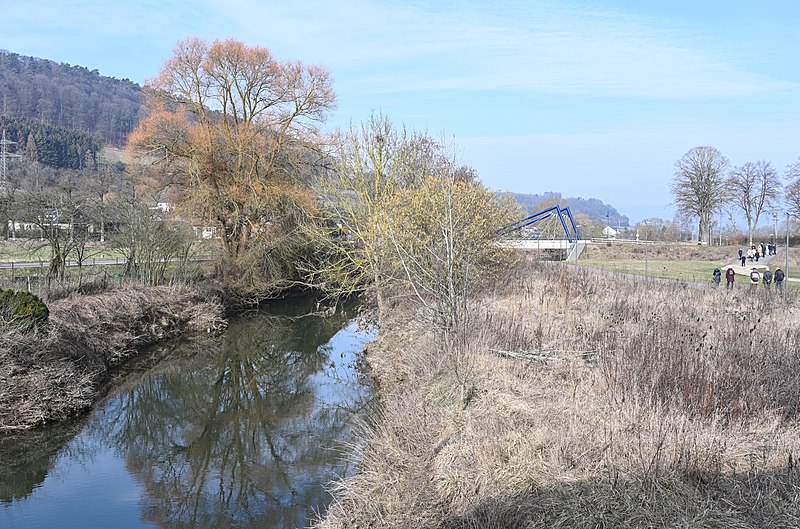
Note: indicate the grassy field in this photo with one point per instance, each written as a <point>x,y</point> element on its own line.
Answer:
<point>32,250</point>
<point>32,278</point>
<point>693,271</point>
<point>669,261</point>
<point>690,263</point>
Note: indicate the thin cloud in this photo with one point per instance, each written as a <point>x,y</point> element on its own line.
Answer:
<point>389,47</point>
<point>396,47</point>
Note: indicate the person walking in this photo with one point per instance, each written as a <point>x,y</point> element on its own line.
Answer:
<point>716,275</point>
<point>730,275</point>
<point>743,258</point>
<point>741,253</point>
<point>779,277</point>
<point>766,278</point>
<point>755,278</point>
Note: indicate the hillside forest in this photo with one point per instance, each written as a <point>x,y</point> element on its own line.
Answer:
<point>72,97</point>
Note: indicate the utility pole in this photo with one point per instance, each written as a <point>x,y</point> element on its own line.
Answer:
<point>786,270</point>
<point>775,233</point>
<point>4,157</point>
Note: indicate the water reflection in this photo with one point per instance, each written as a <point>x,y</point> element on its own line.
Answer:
<point>241,430</point>
<point>25,459</point>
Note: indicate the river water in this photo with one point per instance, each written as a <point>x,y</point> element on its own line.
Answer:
<point>244,430</point>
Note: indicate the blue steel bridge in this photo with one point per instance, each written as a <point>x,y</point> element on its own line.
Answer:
<point>552,230</point>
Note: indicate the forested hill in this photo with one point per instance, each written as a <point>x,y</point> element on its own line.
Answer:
<point>73,97</point>
<point>591,207</point>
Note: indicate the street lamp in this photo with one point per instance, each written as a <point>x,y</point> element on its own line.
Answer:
<point>775,233</point>
<point>786,269</point>
<point>646,237</point>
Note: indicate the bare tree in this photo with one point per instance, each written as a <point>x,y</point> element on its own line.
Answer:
<point>793,188</point>
<point>754,187</point>
<point>101,185</point>
<point>148,242</point>
<point>699,185</point>
<point>442,234</point>
<point>54,213</point>
<point>657,229</point>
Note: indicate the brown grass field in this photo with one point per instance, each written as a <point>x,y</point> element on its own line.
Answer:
<point>580,401</point>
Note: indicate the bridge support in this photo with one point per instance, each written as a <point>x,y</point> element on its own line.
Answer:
<point>577,249</point>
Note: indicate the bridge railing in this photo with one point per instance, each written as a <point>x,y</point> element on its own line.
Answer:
<point>620,241</point>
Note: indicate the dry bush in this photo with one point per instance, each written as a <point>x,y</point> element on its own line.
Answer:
<point>592,402</point>
<point>706,352</point>
<point>53,375</point>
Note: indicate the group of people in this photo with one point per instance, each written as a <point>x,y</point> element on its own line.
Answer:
<point>755,278</point>
<point>756,252</point>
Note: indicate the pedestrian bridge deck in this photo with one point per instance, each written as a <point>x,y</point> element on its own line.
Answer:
<point>573,249</point>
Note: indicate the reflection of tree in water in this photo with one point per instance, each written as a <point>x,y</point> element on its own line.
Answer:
<point>236,436</point>
<point>27,457</point>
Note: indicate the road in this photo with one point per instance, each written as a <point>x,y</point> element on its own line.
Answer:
<point>89,262</point>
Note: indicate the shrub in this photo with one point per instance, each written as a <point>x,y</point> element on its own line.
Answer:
<point>22,309</point>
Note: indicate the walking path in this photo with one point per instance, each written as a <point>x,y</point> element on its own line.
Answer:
<point>761,265</point>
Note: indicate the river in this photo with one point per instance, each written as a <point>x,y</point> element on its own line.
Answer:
<point>244,430</point>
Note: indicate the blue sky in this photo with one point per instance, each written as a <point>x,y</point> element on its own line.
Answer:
<point>591,98</point>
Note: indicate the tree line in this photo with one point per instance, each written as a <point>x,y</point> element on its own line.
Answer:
<point>54,146</point>
<point>705,183</point>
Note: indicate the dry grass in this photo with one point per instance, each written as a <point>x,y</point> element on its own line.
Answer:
<point>677,251</point>
<point>589,403</point>
<point>54,374</point>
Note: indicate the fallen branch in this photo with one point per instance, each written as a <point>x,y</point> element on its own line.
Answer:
<point>545,355</point>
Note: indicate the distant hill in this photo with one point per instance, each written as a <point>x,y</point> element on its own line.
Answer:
<point>72,97</point>
<point>591,207</point>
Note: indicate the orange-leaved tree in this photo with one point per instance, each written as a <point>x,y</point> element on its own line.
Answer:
<point>234,127</point>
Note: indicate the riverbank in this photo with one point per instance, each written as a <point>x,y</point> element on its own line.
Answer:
<point>54,374</point>
<point>581,401</point>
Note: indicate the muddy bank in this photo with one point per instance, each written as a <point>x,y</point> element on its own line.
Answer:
<point>53,374</point>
